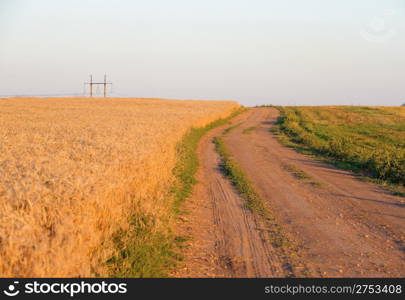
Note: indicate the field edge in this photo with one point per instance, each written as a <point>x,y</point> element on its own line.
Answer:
<point>297,142</point>
<point>146,250</point>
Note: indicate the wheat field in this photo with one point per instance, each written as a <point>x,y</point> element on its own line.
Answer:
<point>73,169</point>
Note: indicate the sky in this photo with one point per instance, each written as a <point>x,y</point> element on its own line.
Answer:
<point>287,52</point>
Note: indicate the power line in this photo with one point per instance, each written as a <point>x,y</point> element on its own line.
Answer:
<point>91,84</point>
<point>104,83</point>
<point>41,95</point>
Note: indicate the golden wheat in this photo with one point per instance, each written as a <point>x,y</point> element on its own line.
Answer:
<point>72,170</point>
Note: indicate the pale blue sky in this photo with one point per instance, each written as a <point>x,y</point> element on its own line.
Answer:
<point>287,52</point>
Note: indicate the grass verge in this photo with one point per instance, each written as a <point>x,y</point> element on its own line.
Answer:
<point>301,175</point>
<point>297,173</point>
<point>249,129</point>
<point>238,178</point>
<point>229,129</point>
<point>276,235</point>
<point>147,249</point>
<point>187,163</point>
<point>254,202</point>
<point>369,147</point>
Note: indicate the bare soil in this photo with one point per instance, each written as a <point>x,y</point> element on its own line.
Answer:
<point>339,226</point>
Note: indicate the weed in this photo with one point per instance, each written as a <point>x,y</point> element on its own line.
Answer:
<point>249,129</point>
<point>253,200</point>
<point>297,173</point>
<point>142,238</point>
<point>229,129</point>
<point>278,237</point>
<point>370,140</point>
<point>315,183</point>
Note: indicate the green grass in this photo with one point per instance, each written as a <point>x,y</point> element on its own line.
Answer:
<point>143,250</point>
<point>297,173</point>
<point>148,250</point>
<point>367,140</point>
<point>265,105</point>
<point>314,183</point>
<point>254,202</point>
<point>238,178</point>
<point>277,236</point>
<point>229,129</point>
<point>187,164</point>
<point>249,129</point>
<point>301,175</point>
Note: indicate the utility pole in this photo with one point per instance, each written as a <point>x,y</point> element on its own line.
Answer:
<point>104,83</point>
<point>91,85</point>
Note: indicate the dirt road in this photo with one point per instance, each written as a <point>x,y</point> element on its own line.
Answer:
<point>339,226</point>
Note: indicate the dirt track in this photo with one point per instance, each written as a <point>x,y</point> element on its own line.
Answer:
<point>340,226</point>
